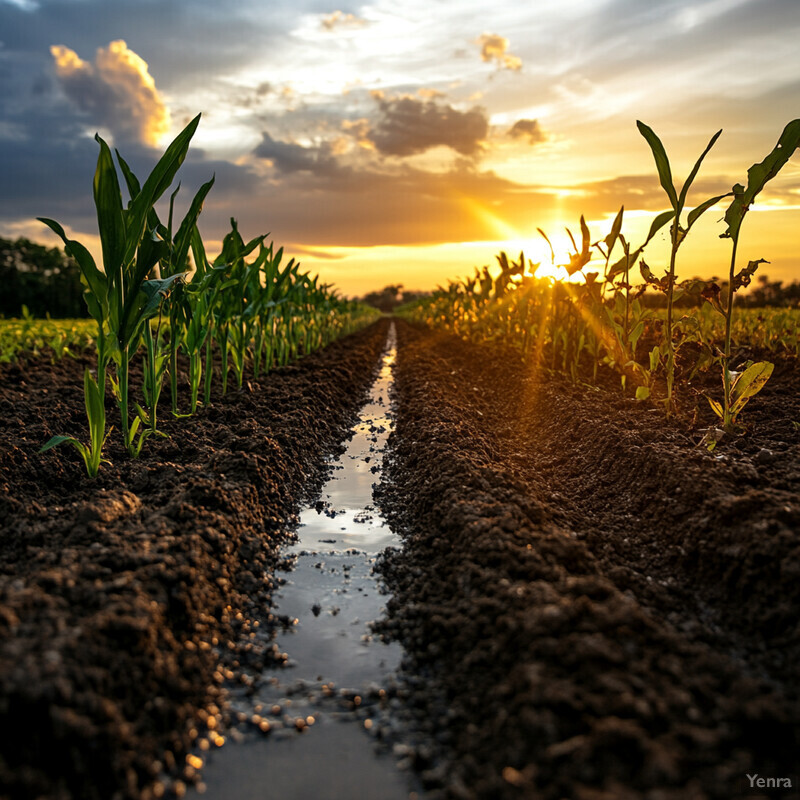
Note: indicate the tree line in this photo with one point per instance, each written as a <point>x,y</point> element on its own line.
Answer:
<point>44,279</point>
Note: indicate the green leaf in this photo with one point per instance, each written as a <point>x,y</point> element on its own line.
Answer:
<point>636,333</point>
<point>578,260</point>
<point>693,173</point>
<point>94,399</point>
<point>642,392</point>
<point>146,303</point>
<point>183,238</point>
<point>757,177</point>
<point>613,235</point>
<point>549,244</point>
<point>201,264</point>
<point>131,181</point>
<point>95,279</point>
<point>624,263</point>
<point>697,212</point>
<point>130,319</point>
<point>662,162</point>
<point>57,440</point>
<point>110,216</point>
<point>655,358</point>
<point>132,434</point>
<point>157,183</point>
<point>658,223</point>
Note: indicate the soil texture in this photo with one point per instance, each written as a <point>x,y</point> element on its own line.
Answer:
<point>593,606</point>
<point>127,601</point>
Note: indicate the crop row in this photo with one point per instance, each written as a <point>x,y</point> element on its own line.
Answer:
<point>41,337</point>
<point>159,295</point>
<point>601,319</point>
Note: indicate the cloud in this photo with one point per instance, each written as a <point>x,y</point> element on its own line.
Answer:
<point>116,92</point>
<point>341,20</point>
<point>529,128</point>
<point>288,157</point>
<point>495,48</point>
<point>643,192</point>
<point>408,126</point>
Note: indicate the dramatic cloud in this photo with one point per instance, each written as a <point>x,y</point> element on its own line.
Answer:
<point>374,139</point>
<point>527,128</point>
<point>495,48</point>
<point>116,92</point>
<point>408,126</point>
<point>288,157</point>
<point>341,20</point>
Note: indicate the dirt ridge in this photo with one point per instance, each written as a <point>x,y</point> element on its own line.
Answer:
<point>549,655</point>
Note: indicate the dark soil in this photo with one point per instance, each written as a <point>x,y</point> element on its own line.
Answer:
<point>127,601</point>
<point>592,605</point>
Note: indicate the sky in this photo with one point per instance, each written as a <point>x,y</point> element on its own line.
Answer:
<point>408,141</point>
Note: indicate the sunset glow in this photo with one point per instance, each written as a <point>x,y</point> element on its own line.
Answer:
<point>380,142</point>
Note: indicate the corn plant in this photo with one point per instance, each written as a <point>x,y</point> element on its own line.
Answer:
<point>740,387</point>
<point>678,234</point>
<point>192,312</point>
<point>626,315</point>
<point>120,298</point>
<point>174,264</point>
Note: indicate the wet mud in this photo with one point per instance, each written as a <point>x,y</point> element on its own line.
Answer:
<point>319,725</point>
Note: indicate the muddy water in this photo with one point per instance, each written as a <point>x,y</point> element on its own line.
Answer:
<point>325,711</point>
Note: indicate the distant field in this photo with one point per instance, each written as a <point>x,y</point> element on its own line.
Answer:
<point>53,337</point>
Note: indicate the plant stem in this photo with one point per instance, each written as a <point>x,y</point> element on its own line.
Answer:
<point>726,378</point>
<point>123,398</point>
<point>151,372</point>
<point>209,367</point>
<point>173,369</point>
<point>195,376</point>
<point>626,331</point>
<point>223,344</point>
<point>670,291</point>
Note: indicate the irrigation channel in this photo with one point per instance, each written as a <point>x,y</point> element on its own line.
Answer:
<point>325,711</point>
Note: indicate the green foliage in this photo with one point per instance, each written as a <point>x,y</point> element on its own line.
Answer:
<point>679,233</point>
<point>744,386</point>
<point>255,311</point>
<point>29,337</point>
<point>757,177</point>
<point>94,395</point>
<point>605,322</point>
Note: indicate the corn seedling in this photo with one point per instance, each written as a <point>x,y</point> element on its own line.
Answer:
<point>678,234</point>
<point>740,387</point>
<point>120,298</point>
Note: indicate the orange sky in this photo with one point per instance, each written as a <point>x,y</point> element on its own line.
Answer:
<point>408,142</point>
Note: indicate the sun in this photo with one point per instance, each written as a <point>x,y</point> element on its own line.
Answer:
<point>555,272</point>
<point>547,262</point>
